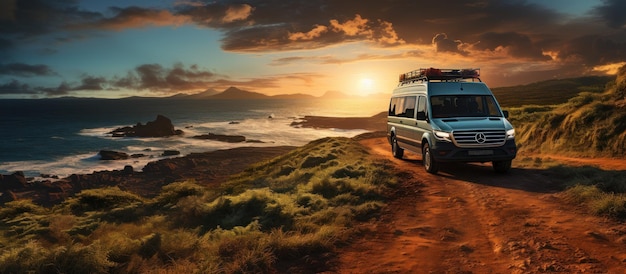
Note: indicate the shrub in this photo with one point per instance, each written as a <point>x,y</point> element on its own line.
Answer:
<point>79,258</point>
<point>101,199</point>
<point>313,161</point>
<point>172,193</point>
<point>27,226</point>
<point>245,254</point>
<point>612,205</point>
<point>15,208</point>
<point>31,257</point>
<point>271,210</point>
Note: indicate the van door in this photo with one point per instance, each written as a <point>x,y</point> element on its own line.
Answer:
<point>421,125</point>
<point>406,128</point>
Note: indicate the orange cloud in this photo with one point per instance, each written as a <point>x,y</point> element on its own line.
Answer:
<point>357,26</point>
<point>314,33</point>
<point>237,13</point>
<point>388,34</point>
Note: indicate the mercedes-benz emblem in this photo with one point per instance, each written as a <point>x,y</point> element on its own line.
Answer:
<point>480,137</point>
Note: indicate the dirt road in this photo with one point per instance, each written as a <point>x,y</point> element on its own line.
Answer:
<point>468,219</point>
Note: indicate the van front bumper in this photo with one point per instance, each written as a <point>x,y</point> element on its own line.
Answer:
<point>448,152</point>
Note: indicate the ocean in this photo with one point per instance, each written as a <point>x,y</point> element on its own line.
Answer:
<point>63,136</point>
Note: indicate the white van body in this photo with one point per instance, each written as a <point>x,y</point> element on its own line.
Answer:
<point>449,115</point>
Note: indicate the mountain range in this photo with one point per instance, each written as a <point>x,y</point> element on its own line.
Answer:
<point>236,93</point>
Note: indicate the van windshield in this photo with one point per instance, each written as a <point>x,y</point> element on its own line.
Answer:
<point>448,106</point>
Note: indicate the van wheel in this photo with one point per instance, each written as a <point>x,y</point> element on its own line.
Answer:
<point>395,149</point>
<point>501,166</point>
<point>430,164</point>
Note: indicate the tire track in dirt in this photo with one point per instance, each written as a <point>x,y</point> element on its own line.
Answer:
<point>469,219</point>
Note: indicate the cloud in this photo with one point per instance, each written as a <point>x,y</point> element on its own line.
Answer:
<point>507,33</point>
<point>25,70</point>
<point>63,89</point>
<point>237,13</point>
<point>593,50</point>
<point>91,83</point>
<point>217,15</point>
<point>387,34</point>
<point>27,19</point>
<point>612,12</point>
<point>354,27</point>
<point>444,44</point>
<point>157,78</point>
<point>135,17</point>
<point>316,32</point>
<point>515,44</point>
<point>15,87</point>
<point>7,12</point>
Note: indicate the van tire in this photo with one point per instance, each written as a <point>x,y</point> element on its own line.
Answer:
<point>501,166</point>
<point>428,160</point>
<point>395,149</point>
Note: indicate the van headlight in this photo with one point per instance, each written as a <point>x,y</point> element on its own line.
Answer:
<point>510,134</point>
<point>442,135</point>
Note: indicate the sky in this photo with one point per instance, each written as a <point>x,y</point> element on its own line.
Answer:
<point>121,48</point>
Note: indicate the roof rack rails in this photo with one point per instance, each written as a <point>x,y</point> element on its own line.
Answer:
<point>428,74</point>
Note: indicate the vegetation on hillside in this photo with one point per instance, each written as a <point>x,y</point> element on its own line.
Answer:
<point>589,124</point>
<point>284,215</point>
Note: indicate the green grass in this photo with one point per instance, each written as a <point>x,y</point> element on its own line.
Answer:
<point>591,123</point>
<point>286,214</point>
<point>602,192</point>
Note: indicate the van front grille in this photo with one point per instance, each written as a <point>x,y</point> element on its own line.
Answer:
<point>479,138</point>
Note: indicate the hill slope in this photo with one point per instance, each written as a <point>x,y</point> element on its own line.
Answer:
<point>589,124</point>
<point>284,215</point>
<point>550,92</point>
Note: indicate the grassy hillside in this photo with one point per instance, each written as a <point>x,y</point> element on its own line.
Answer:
<point>550,92</point>
<point>589,124</point>
<point>283,215</point>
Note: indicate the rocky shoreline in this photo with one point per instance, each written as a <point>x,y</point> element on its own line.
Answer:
<point>208,168</point>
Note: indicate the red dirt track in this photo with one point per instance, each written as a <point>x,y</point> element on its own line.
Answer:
<point>469,219</point>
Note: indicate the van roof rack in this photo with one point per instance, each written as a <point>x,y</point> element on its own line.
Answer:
<point>444,75</point>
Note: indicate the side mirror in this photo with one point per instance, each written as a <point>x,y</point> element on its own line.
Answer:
<point>506,113</point>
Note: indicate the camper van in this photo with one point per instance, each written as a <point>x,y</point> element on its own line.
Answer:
<point>449,115</point>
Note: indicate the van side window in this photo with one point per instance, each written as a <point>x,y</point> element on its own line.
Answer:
<point>409,107</point>
<point>396,106</point>
<point>403,106</point>
<point>421,108</point>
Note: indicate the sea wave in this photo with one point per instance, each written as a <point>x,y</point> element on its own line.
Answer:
<point>264,132</point>
<point>62,143</point>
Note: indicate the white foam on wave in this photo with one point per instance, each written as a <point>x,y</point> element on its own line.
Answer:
<point>76,164</point>
<point>277,131</point>
<point>270,132</point>
<point>97,132</point>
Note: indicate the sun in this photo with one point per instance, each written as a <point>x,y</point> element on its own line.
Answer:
<point>367,86</point>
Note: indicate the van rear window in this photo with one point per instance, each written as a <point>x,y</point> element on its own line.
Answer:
<point>448,106</point>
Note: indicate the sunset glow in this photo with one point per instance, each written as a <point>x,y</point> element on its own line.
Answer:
<point>160,48</point>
